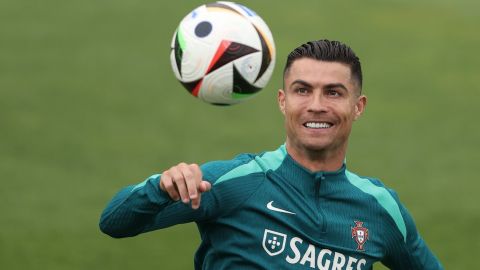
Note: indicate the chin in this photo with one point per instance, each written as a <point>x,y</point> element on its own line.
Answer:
<point>316,146</point>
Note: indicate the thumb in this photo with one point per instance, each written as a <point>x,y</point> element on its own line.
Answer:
<point>205,186</point>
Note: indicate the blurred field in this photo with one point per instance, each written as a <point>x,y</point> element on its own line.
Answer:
<point>88,104</point>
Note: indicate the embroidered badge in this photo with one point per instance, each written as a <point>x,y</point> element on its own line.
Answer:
<point>273,242</point>
<point>360,235</point>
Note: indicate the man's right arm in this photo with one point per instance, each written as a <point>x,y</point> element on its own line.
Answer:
<point>180,194</point>
<point>153,205</point>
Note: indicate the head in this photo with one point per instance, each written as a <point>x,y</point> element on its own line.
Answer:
<point>322,97</point>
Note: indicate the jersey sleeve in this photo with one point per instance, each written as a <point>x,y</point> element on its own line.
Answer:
<point>410,252</point>
<point>145,207</point>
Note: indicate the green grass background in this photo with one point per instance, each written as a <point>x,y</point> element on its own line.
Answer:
<point>89,104</point>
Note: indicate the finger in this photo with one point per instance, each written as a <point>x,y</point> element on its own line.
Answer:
<point>179,181</point>
<point>204,186</point>
<point>190,180</point>
<point>196,202</point>
<point>197,173</point>
<point>166,184</point>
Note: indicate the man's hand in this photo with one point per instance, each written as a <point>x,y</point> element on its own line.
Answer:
<point>184,181</point>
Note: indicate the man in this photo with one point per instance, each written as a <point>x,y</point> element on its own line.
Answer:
<point>297,207</point>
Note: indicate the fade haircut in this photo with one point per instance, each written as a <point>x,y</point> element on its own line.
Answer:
<point>329,51</point>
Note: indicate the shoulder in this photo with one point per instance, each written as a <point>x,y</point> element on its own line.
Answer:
<point>214,170</point>
<point>234,181</point>
<point>246,164</point>
<point>372,186</point>
<point>387,198</point>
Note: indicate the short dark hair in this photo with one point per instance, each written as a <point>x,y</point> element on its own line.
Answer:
<point>330,51</point>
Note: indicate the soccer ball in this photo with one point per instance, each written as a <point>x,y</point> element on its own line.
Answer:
<point>223,53</point>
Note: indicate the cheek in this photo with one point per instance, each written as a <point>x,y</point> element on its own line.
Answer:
<point>347,116</point>
<point>290,116</point>
<point>351,111</point>
<point>290,119</point>
<point>290,111</point>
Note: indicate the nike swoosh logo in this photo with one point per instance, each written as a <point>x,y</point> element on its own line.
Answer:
<point>273,208</point>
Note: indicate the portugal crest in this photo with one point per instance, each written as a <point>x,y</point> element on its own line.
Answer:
<point>359,234</point>
<point>273,242</point>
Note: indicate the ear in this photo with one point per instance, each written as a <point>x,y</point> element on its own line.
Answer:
<point>281,100</point>
<point>360,106</point>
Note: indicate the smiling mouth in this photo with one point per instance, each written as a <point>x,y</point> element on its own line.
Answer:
<point>318,125</point>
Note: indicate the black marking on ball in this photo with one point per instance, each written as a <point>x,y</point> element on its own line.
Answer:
<point>203,29</point>
<point>178,54</point>
<point>190,86</point>
<point>266,55</point>
<point>241,85</point>
<point>234,51</point>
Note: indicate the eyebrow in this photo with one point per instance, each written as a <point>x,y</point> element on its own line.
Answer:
<point>301,82</point>
<point>330,85</point>
<point>336,85</point>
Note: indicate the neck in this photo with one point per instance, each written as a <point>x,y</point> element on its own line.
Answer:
<point>318,160</point>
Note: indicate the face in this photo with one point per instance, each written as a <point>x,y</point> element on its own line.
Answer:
<point>320,102</point>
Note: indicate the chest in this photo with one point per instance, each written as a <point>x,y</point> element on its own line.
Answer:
<point>322,229</point>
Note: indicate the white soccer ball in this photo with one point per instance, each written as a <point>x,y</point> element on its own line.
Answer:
<point>223,53</point>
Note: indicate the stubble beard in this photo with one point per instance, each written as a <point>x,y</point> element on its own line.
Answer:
<point>317,149</point>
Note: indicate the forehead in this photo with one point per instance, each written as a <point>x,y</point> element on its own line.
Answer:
<point>318,72</point>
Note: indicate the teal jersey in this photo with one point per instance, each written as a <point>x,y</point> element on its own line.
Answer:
<point>268,212</point>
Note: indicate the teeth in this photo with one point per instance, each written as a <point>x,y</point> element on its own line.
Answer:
<point>317,125</point>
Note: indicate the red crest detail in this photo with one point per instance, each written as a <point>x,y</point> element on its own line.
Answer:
<point>360,235</point>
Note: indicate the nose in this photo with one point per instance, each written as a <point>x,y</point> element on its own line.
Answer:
<point>317,103</point>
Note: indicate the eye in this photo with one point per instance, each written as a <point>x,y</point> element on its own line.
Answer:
<point>333,93</point>
<point>301,90</point>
